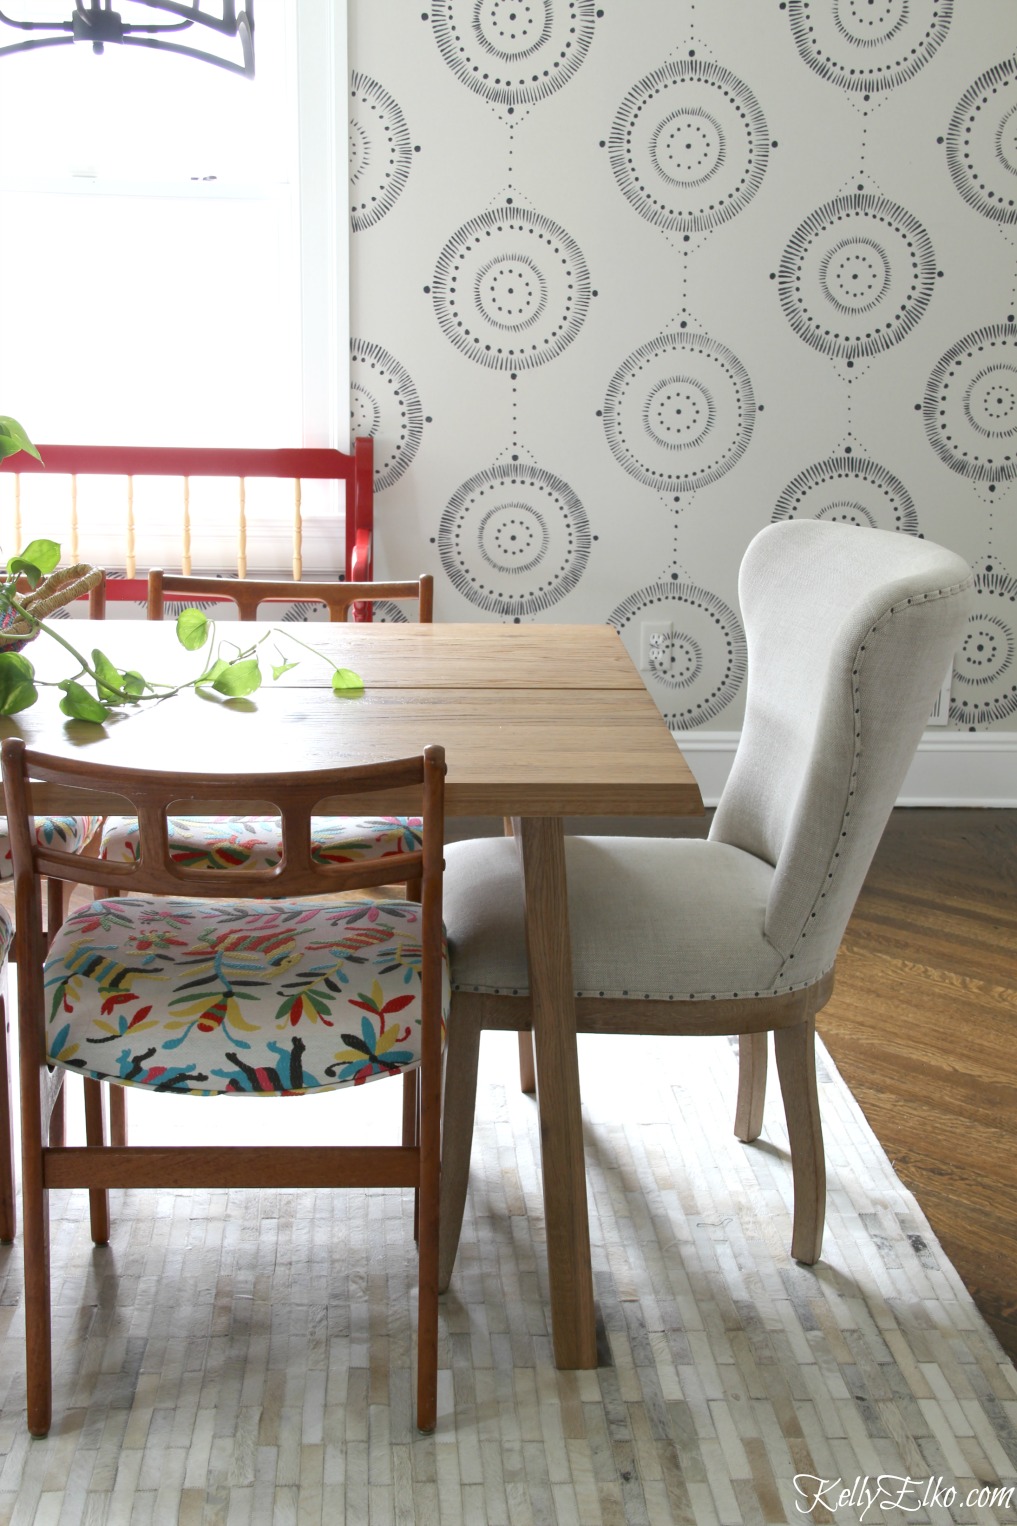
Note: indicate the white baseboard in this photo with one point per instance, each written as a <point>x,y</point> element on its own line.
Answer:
<point>954,768</point>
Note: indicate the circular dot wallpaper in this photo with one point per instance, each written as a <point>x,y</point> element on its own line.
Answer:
<point>631,280</point>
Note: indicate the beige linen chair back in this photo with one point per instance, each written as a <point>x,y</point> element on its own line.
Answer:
<point>850,634</point>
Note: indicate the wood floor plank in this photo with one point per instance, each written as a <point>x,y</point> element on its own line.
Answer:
<point>922,1024</point>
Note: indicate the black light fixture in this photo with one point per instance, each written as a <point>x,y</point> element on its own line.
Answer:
<point>97,23</point>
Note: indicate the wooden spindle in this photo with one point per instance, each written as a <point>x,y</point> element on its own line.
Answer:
<point>298,533</point>
<point>74,518</point>
<point>242,534</point>
<point>185,551</point>
<point>131,568</point>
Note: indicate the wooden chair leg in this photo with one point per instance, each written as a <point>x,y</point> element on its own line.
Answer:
<point>118,1115</point>
<point>8,1190</point>
<point>462,1055</point>
<point>751,1086</point>
<point>57,895</point>
<point>429,1144</point>
<point>527,1067</point>
<point>411,1136</point>
<point>57,1133</point>
<point>95,1134</point>
<point>796,1066</point>
<point>35,1237</point>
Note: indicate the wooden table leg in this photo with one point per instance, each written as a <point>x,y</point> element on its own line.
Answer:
<point>563,1166</point>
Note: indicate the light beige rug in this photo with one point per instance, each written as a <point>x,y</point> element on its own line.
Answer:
<point>246,1357</point>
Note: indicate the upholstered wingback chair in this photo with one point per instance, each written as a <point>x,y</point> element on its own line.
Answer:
<point>850,633</point>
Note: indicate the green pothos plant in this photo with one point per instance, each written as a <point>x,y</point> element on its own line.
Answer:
<point>98,689</point>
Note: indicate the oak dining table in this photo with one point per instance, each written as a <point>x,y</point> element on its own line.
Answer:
<point>539,722</point>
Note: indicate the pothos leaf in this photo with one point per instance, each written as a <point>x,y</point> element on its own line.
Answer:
<point>345,681</point>
<point>111,684</point>
<point>211,674</point>
<point>13,438</point>
<point>107,676</point>
<point>44,554</point>
<point>283,667</point>
<point>38,558</point>
<point>132,683</point>
<point>192,628</point>
<point>17,690</point>
<point>239,678</point>
<point>80,705</point>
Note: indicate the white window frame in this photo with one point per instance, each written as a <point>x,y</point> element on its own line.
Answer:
<point>323,156</point>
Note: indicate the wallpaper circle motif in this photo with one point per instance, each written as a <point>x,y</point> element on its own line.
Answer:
<point>985,666</point>
<point>511,289</point>
<point>981,144</point>
<point>380,152</point>
<point>384,403</point>
<point>689,146</point>
<point>514,540</point>
<point>856,276</point>
<point>852,491</point>
<point>868,46</point>
<point>699,665</point>
<point>679,412</point>
<point>970,405</point>
<point>513,52</point>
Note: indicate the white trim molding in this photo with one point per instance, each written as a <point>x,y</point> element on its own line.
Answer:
<point>953,768</point>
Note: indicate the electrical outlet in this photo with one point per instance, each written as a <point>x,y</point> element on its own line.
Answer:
<point>941,709</point>
<point>653,638</point>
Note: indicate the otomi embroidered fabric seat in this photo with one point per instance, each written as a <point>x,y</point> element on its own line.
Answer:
<point>70,832</point>
<point>227,842</point>
<point>217,997</point>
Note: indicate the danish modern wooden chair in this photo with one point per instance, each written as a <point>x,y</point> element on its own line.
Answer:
<point>251,594</point>
<point>849,632</point>
<point>223,842</point>
<point>175,944</point>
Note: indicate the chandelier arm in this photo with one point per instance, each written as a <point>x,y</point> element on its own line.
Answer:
<point>246,68</point>
<point>35,42</point>
<point>36,26</point>
<point>229,23</point>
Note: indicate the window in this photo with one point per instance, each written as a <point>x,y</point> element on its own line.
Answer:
<point>173,255</point>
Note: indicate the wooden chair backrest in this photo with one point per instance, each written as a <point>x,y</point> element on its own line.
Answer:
<point>248,594</point>
<point>154,796</point>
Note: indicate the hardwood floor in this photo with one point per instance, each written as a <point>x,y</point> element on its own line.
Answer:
<point>923,1027</point>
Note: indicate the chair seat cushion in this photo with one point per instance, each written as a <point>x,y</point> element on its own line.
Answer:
<point>232,842</point>
<point>666,919</point>
<point>219,997</point>
<point>69,832</point>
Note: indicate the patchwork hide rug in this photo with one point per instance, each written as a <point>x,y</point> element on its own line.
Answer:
<point>242,1357</point>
